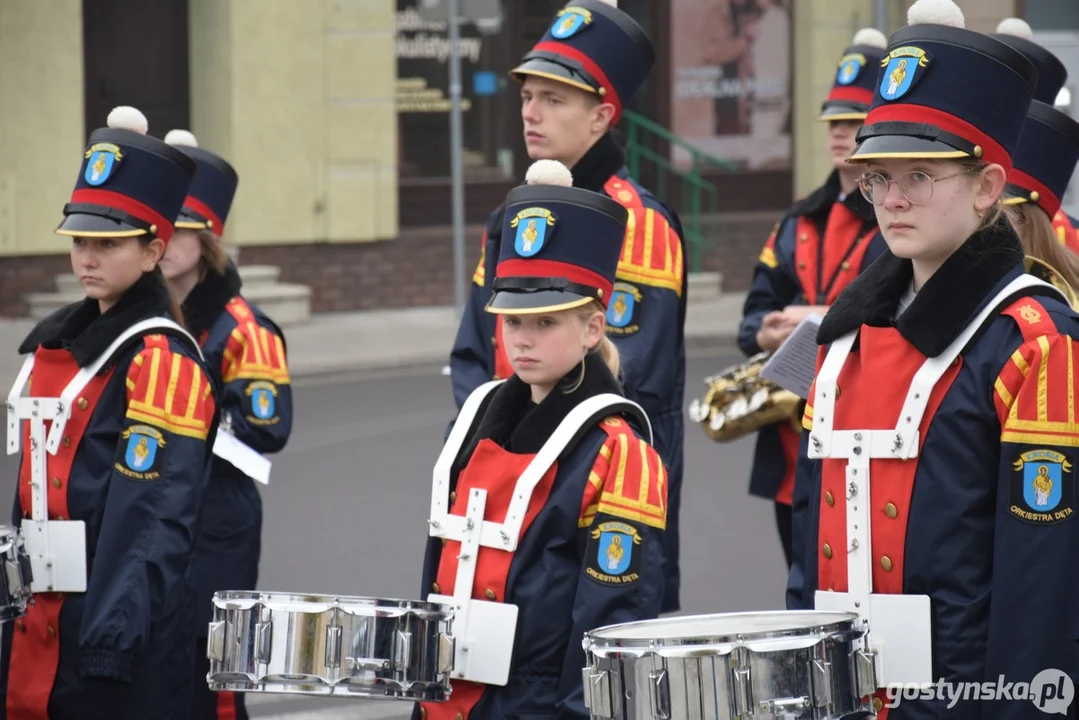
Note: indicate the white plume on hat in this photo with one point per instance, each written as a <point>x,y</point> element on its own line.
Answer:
<point>549,172</point>
<point>872,37</point>
<point>181,137</point>
<point>1017,27</point>
<point>936,12</point>
<point>126,117</point>
<point>1063,100</point>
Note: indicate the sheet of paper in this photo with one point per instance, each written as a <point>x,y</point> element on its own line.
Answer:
<point>242,457</point>
<point>794,364</point>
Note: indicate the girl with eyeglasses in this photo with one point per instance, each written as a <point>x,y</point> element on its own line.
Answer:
<point>936,495</point>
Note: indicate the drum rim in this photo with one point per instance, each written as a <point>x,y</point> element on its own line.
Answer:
<point>832,621</point>
<point>301,598</point>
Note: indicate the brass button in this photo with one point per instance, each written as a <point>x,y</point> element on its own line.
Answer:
<point>453,497</point>
<point>444,541</point>
<point>423,714</point>
<point>827,551</point>
<point>891,511</point>
<point>886,563</point>
<point>845,265</point>
<point>829,498</point>
<point>459,717</point>
<point>801,266</point>
<point>60,517</point>
<point>877,704</point>
<point>435,588</point>
<point>490,594</point>
<point>52,631</point>
<point>803,237</point>
<point>67,441</point>
<point>56,482</point>
<point>494,342</point>
<point>20,626</point>
<point>83,404</point>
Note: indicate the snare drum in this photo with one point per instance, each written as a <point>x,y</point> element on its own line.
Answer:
<point>16,577</point>
<point>738,665</point>
<point>330,645</point>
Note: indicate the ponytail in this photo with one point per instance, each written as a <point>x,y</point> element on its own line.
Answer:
<point>609,352</point>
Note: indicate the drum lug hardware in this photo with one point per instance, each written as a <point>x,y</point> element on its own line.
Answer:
<point>333,646</point>
<point>263,634</point>
<point>402,651</point>
<point>353,664</point>
<point>785,707</point>
<point>215,647</point>
<point>741,682</point>
<point>822,685</point>
<point>597,693</point>
<point>865,672</point>
<point>659,694</point>
<point>445,652</point>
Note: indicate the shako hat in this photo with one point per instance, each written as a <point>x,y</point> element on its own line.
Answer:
<point>560,245</point>
<point>130,184</point>
<point>210,196</point>
<point>945,92</point>
<point>855,77</point>
<point>593,46</point>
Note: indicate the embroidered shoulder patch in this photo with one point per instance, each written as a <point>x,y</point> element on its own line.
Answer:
<point>614,553</point>
<point>623,314</point>
<point>262,403</point>
<point>139,454</point>
<point>1042,487</point>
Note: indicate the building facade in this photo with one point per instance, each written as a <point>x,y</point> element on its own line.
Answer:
<point>336,114</point>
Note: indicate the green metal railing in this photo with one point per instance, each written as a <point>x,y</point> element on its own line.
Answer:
<point>699,196</point>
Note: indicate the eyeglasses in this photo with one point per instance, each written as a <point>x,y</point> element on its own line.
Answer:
<point>916,186</point>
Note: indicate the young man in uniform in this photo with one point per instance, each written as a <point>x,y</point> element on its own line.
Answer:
<point>574,85</point>
<point>822,244</point>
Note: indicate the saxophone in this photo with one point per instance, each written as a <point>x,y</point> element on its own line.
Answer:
<point>739,401</point>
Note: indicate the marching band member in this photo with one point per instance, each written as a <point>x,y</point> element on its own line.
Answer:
<point>591,548</point>
<point>815,251</point>
<point>126,459</point>
<point>574,83</point>
<point>945,366</point>
<point>246,354</point>
<point>1051,78</point>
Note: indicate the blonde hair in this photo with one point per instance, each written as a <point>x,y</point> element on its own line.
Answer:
<point>606,349</point>
<point>1035,229</point>
<point>213,256</point>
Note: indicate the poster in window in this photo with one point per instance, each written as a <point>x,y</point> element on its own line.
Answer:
<point>731,86</point>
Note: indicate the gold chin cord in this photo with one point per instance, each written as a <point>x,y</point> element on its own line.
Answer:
<point>739,401</point>
<point>1044,271</point>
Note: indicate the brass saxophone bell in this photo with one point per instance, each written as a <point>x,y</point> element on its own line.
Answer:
<point>738,401</point>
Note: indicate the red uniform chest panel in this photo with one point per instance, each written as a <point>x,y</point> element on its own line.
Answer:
<point>826,266</point>
<point>495,470</point>
<point>35,645</point>
<point>1066,234</point>
<point>882,369</point>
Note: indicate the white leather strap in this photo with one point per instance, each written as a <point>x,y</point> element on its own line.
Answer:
<point>933,369</point>
<point>86,374</point>
<point>820,438</point>
<point>14,436</point>
<point>506,535</point>
<point>440,484</point>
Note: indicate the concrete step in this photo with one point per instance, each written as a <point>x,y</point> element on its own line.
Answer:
<point>286,303</point>
<point>705,286</point>
<point>252,276</point>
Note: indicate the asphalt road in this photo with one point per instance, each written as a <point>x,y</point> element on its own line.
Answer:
<point>346,511</point>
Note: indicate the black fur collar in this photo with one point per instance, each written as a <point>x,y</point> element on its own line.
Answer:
<point>596,167</point>
<point>945,304</point>
<point>516,424</point>
<point>207,300</point>
<point>818,204</point>
<point>81,328</point>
